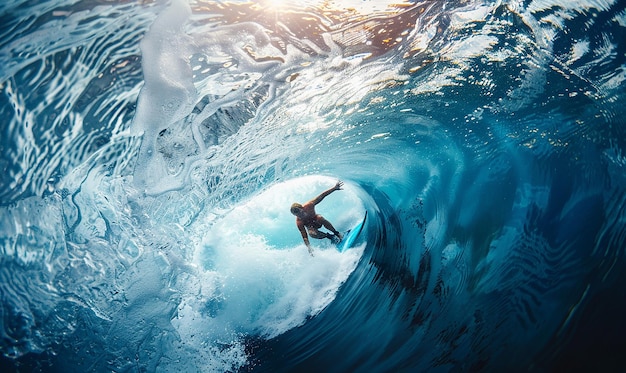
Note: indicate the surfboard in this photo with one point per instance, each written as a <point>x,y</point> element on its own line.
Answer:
<point>350,236</point>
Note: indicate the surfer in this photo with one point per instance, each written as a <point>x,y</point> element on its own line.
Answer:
<point>308,220</point>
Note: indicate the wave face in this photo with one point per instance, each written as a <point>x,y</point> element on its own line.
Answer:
<point>150,152</point>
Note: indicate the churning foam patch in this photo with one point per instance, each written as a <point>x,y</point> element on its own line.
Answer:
<point>256,276</point>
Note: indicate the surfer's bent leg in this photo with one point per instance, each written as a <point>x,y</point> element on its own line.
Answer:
<point>328,226</point>
<point>319,235</point>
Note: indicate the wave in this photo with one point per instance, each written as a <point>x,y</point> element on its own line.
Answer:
<point>151,151</point>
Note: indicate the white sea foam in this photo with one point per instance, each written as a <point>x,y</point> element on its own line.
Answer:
<point>255,275</point>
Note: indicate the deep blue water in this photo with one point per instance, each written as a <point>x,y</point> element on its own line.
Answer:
<point>150,152</point>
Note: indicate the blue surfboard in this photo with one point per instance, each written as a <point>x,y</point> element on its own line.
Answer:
<point>350,236</point>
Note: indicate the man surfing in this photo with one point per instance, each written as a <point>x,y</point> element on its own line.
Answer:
<point>307,220</point>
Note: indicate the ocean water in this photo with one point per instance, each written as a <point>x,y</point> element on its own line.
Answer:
<point>150,151</point>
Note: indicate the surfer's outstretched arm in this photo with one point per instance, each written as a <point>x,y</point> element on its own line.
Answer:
<point>323,195</point>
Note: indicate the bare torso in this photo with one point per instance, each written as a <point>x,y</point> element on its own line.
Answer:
<point>309,218</point>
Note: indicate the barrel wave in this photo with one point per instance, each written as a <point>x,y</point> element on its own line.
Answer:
<point>151,150</point>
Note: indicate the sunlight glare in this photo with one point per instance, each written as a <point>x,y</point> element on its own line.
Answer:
<point>276,4</point>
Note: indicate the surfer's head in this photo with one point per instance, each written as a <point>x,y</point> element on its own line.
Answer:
<point>295,208</point>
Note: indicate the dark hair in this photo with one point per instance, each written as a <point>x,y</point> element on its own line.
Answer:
<point>295,207</point>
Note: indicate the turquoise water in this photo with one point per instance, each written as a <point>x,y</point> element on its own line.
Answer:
<point>150,152</point>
